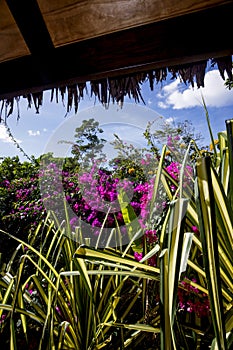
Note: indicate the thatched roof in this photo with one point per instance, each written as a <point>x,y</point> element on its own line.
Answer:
<point>62,45</point>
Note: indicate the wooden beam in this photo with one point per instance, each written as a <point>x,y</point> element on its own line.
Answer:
<point>12,44</point>
<point>181,40</point>
<point>69,21</point>
<point>31,24</point>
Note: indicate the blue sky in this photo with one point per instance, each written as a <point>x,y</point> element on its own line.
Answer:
<point>36,133</point>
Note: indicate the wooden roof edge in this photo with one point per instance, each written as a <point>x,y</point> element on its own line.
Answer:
<point>137,50</point>
<point>115,88</point>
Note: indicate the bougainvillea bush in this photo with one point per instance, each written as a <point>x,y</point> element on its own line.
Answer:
<point>27,189</point>
<point>93,196</point>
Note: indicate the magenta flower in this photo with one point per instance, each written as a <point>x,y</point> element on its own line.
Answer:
<point>151,236</point>
<point>191,300</point>
<point>195,229</point>
<point>138,256</point>
<point>2,318</point>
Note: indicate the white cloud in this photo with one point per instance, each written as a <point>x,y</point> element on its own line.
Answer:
<point>215,94</point>
<point>34,133</point>
<point>4,137</point>
<point>169,120</point>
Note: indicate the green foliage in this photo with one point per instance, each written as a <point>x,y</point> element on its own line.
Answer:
<point>215,215</point>
<point>88,145</point>
<point>63,294</point>
<point>229,83</point>
<point>183,132</point>
<point>131,162</point>
<point>66,296</point>
<point>178,136</point>
<point>15,176</point>
<point>12,168</point>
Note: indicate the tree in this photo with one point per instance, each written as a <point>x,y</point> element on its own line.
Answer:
<point>229,82</point>
<point>130,161</point>
<point>18,188</point>
<point>88,145</point>
<point>174,135</point>
<point>184,130</point>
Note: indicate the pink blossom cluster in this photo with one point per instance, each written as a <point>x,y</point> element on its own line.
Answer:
<point>190,299</point>
<point>94,198</point>
<point>151,238</point>
<point>173,170</point>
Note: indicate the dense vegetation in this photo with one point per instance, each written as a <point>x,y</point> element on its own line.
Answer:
<point>136,254</point>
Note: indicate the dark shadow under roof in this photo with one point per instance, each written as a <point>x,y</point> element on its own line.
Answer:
<point>62,45</point>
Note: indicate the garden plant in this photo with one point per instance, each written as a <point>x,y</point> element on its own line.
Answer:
<point>144,262</point>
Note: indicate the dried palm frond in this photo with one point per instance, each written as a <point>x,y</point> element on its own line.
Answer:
<point>116,88</point>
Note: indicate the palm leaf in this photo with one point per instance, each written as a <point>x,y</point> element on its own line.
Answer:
<point>208,229</point>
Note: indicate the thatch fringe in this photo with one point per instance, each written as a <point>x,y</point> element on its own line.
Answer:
<point>115,89</point>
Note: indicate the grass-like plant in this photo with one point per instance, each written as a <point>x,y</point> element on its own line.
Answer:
<point>61,294</point>
<point>66,296</point>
